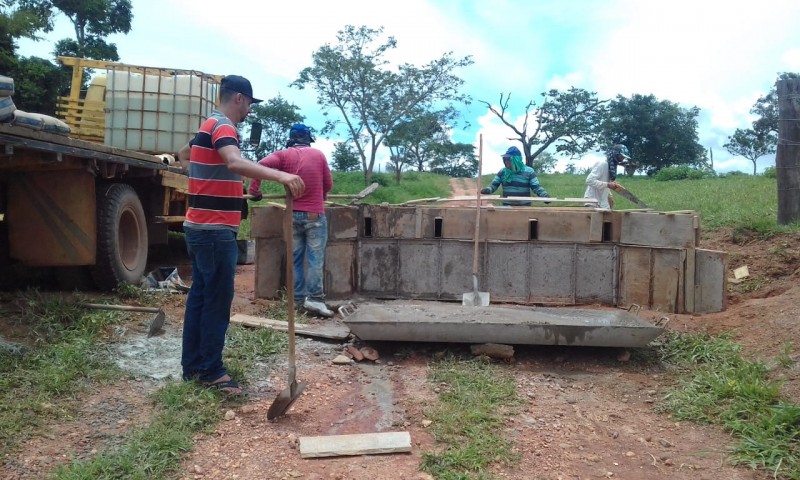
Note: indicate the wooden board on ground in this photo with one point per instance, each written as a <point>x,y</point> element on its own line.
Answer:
<point>355,444</point>
<point>335,332</point>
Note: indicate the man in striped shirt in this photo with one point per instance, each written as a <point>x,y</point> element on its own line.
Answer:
<point>517,180</point>
<point>216,167</point>
<point>309,226</point>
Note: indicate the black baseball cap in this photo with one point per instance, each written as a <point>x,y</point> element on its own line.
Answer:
<point>239,84</point>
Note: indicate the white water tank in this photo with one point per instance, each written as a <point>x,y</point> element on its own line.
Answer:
<point>156,110</point>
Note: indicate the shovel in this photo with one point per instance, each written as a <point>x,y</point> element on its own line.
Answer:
<point>287,397</point>
<point>156,323</point>
<point>476,298</point>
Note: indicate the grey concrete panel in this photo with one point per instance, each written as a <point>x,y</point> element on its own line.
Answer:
<point>595,273</point>
<point>507,271</point>
<point>420,269</point>
<point>266,222</point>
<point>378,267</point>
<point>340,269</point>
<point>342,222</point>
<point>551,272</point>
<point>270,267</point>
<point>456,260</point>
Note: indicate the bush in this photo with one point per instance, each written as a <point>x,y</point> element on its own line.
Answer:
<point>682,172</point>
<point>734,173</point>
<point>770,172</point>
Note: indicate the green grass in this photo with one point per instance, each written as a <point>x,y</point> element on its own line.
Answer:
<point>718,386</point>
<point>475,398</point>
<point>39,386</point>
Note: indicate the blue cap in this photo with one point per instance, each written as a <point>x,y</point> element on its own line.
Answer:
<point>512,152</point>
<point>300,132</point>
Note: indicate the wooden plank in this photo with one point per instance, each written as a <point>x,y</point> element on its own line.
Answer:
<point>175,180</point>
<point>635,276</point>
<point>266,222</point>
<point>355,444</point>
<point>658,230</point>
<point>507,224</point>
<point>334,332</point>
<point>496,198</point>
<point>667,278</point>
<point>710,281</point>
<point>688,295</point>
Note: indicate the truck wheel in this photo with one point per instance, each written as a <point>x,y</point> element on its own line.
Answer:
<point>121,237</point>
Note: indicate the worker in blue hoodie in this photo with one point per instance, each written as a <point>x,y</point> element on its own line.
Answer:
<point>517,180</point>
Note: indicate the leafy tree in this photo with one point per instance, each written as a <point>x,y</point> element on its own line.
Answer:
<point>545,162</point>
<point>454,159</point>
<point>569,120</point>
<point>276,117</point>
<point>19,20</point>
<point>571,168</point>
<point>657,133</point>
<point>345,159</point>
<point>94,20</point>
<point>398,162</point>
<point>766,107</point>
<point>37,83</point>
<point>353,78</point>
<point>751,144</point>
<point>420,137</point>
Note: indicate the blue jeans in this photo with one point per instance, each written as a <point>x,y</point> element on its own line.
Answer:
<point>310,238</point>
<point>208,306</point>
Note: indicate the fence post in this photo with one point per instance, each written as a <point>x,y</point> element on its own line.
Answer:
<point>787,159</point>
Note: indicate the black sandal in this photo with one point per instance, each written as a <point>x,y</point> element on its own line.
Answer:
<point>226,384</point>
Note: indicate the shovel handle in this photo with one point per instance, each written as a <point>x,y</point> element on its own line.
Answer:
<point>288,221</point>
<point>127,308</point>
<point>478,207</point>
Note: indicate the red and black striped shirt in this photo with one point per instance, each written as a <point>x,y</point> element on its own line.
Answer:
<point>215,193</point>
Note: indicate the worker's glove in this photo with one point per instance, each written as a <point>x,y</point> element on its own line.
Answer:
<point>486,191</point>
<point>256,197</point>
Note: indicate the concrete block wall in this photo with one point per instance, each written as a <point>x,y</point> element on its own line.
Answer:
<point>541,255</point>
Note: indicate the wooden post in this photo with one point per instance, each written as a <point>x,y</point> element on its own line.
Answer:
<point>787,160</point>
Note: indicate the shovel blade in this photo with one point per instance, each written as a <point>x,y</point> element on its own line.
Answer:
<point>284,400</point>
<point>475,299</point>
<point>156,324</point>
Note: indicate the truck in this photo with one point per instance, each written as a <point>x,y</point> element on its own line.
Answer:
<point>88,205</point>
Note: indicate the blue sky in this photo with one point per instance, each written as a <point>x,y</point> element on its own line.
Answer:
<point>718,56</point>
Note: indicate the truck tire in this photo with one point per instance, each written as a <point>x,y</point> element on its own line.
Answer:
<point>121,237</point>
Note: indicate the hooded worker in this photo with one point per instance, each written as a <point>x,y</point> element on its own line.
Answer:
<point>602,177</point>
<point>517,180</point>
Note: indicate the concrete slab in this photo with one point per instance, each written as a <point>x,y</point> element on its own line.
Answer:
<point>453,323</point>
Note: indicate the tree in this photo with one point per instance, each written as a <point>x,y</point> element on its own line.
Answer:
<point>93,20</point>
<point>355,80</point>
<point>345,159</point>
<point>751,144</point>
<point>454,159</point>
<point>545,163</point>
<point>658,133</point>
<point>276,117</point>
<point>420,136</point>
<point>19,19</point>
<point>37,84</point>
<point>569,120</point>
<point>766,107</point>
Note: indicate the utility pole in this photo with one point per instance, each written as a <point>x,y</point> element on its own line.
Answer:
<point>787,159</point>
